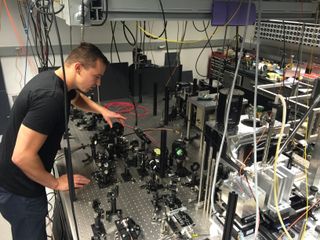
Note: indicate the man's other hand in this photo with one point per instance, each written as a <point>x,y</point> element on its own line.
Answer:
<point>79,182</point>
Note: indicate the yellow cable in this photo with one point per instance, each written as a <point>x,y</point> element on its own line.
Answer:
<point>171,40</point>
<point>189,41</point>
<point>275,177</point>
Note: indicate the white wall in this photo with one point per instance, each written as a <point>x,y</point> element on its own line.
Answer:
<point>5,229</point>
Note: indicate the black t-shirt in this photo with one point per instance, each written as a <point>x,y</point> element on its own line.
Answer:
<point>39,106</point>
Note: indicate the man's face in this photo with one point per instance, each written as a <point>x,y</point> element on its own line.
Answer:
<point>87,79</point>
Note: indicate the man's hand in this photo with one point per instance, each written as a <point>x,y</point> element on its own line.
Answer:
<point>79,182</point>
<point>108,115</point>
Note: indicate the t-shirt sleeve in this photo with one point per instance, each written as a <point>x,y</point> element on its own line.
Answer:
<point>43,115</point>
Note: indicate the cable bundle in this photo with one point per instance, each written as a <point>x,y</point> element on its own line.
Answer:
<point>127,108</point>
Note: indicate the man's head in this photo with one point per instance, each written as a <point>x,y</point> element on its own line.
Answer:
<point>88,65</point>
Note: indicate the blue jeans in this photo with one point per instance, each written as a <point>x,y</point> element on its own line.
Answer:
<point>27,216</point>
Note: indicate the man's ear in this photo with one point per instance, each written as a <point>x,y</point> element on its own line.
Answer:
<point>77,67</point>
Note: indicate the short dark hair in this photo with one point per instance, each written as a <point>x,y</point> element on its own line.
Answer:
<point>87,54</point>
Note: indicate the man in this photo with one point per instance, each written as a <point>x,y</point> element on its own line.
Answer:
<point>33,138</point>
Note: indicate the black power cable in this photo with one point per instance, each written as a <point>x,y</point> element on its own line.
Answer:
<point>201,30</point>
<point>205,28</point>
<point>40,27</point>
<point>159,36</point>
<point>203,48</point>
<point>165,32</point>
<point>125,29</point>
<point>144,38</point>
<point>28,29</point>
<point>111,44</point>
<point>113,40</point>
<point>206,32</point>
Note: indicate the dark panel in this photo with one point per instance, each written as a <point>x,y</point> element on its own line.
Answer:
<point>187,76</point>
<point>174,59</point>
<point>149,76</point>
<point>232,13</point>
<point>115,82</point>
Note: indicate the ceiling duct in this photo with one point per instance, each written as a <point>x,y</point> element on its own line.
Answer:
<point>124,10</point>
